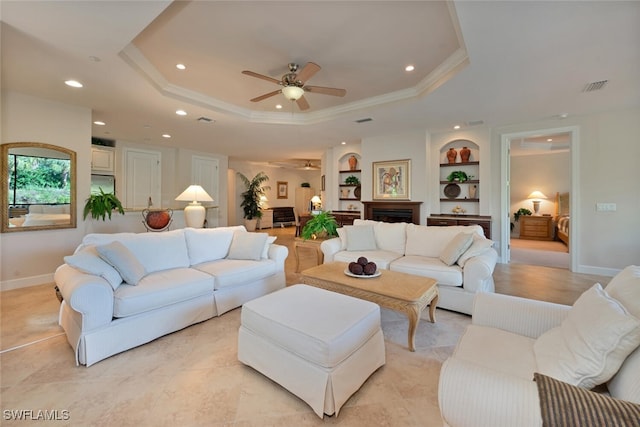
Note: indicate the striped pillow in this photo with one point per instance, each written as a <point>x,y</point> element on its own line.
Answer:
<point>563,404</point>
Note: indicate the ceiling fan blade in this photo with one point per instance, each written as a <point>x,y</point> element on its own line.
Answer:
<point>307,72</point>
<point>326,90</point>
<point>302,103</point>
<point>261,76</point>
<point>266,95</point>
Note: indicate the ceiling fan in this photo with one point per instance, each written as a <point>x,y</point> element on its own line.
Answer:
<point>300,164</point>
<point>294,84</point>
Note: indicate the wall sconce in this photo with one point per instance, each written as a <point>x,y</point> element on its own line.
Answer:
<point>536,197</point>
<point>194,212</point>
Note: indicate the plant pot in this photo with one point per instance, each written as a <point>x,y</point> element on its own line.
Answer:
<point>250,224</point>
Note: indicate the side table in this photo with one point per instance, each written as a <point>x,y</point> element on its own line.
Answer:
<point>299,242</point>
<point>533,227</point>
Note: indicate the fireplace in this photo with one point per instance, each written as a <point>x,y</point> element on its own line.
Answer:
<point>391,211</point>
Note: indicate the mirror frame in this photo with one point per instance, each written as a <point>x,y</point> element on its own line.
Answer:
<point>4,203</point>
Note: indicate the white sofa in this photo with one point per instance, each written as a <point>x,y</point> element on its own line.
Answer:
<point>462,267</point>
<point>126,289</point>
<point>488,381</point>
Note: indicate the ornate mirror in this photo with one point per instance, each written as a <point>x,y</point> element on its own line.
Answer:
<point>38,187</point>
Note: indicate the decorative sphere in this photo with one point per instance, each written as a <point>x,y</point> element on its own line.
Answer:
<point>356,268</point>
<point>363,261</point>
<point>370,268</point>
<point>158,219</point>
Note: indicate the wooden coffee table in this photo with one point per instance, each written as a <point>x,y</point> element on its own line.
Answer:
<point>406,293</point>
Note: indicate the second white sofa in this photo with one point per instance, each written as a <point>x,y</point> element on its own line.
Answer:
<point>460,258</point>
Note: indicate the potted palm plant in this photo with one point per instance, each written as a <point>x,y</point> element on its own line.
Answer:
<point>320,226</point>
<point>100,205</point>
<point>251,198</point>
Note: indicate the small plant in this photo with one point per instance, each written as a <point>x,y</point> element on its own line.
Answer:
<point>460,176</point>
<point>320,226</point>
<point>102,204</point>
<point>352,180</point>
<point>521,211</point>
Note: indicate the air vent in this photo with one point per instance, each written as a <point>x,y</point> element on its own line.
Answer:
<point>475,123</point>
<point>590,87</point>
<point>368,119</point>
<point>205,119</point>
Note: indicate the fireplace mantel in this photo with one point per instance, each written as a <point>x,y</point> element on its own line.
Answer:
<point>413,208</point>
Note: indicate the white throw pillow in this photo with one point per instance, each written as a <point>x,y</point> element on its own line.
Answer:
<point>625,287</point>
<point>88,261</point>
<point>267,245</point>
<point>360,238</point>
<point>207,244</point>
<point>123,260</point>
<point>247,245</point>
<point>342,234</point>
<point>456,247</point>
<point>479,245</point>
<point>588,348</point>
<point>391,236</point>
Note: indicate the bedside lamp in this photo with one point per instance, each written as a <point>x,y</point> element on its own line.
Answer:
<point>536,197</point>
<point>194,212</point>
<point>316,203</point>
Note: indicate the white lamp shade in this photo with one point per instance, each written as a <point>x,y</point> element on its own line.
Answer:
<point>536,195</point>
<point>194,193</point>
<point>316,199</point>
<point>292,93</point>
<point>194,213</point>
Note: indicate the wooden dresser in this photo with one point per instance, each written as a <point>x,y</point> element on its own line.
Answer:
<point>533,227</point>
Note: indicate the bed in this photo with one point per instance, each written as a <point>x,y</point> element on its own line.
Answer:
<point>40,215</point>
<point>562,218</point>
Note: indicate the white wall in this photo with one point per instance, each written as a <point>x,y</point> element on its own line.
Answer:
<point>31,257</point>
<point>607,150</point>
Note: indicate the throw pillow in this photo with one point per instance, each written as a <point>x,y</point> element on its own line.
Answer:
<point>562,404</point>
<point>360,238</point>
<point>342,234</point>
<point>478,246</point>
<point>207,244</point>
<point>88,261</point>
<point>456,247</point>
<point>625,287</point>
<point>247,245</point>
<point>123,260</point>
<point>267,245</point>
<point>588,348</point>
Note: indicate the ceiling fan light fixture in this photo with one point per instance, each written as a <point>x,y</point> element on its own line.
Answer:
<point>292,93</point>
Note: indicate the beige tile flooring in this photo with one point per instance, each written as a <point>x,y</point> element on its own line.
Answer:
<point>193,378</point>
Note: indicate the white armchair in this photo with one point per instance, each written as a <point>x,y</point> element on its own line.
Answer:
<point>488,381</point>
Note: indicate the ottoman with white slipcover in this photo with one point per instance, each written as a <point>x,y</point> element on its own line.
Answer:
<point>320,345</point>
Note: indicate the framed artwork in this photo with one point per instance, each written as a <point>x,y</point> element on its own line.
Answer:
<point>283,190</point>
<point>392,180</point>
<point>322,181</point>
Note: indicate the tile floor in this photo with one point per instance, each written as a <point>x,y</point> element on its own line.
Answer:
<point>192,377</point>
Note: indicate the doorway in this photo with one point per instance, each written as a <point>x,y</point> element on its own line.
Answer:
<point>542,161</point>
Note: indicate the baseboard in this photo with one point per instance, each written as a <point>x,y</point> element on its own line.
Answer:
<point>26,282</point>
<point>598,271</point>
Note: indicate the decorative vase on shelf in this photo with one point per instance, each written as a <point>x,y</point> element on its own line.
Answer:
<point>473,191</point>
<point>451,155</point>
<point>344,193</point>
<point>353,163</point>
<point>464,154</point>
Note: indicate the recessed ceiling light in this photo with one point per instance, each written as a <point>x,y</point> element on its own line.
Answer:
<point>409,68</point>
<point>166,135</point>
<point>549,139</point>
<point>279,106</point>
<point>181,66</point>
<point>181,112</point>
<point>73,83</point>
<point>343,143</point>
<point>563,116</point>
<point>99,123</point>
<point>456,127</point>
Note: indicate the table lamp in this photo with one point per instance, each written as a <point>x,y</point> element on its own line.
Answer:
<point>263,202</point>
<point>194,212</point>
<point>315,200</point>
<point>537,197</point>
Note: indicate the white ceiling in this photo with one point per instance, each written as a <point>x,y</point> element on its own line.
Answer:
<point>497,62</point>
